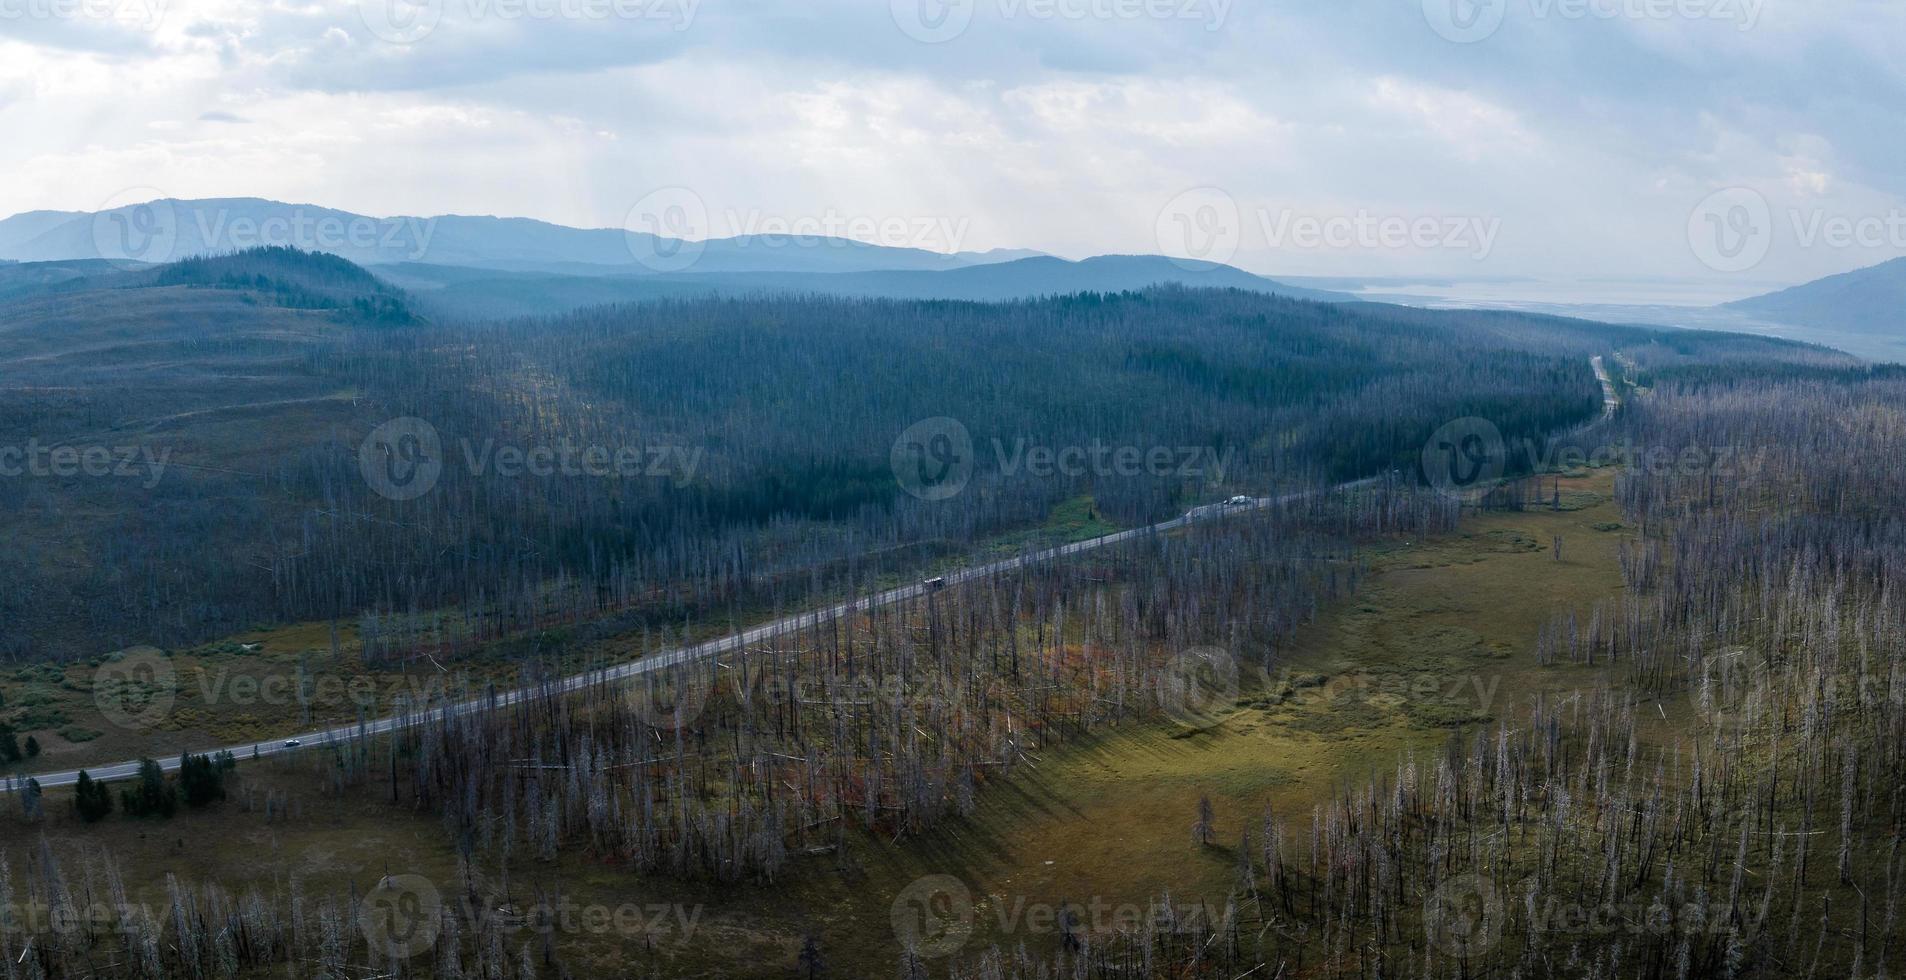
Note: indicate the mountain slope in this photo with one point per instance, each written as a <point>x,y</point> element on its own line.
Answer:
<point>25,227</point>
<point>171,229</point>
<point>1869,301</point>
<point>485,294</point>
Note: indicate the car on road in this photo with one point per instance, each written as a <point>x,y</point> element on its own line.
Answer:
<point>292,743</point>
<point>936,582</point>
<point>1240,500</point>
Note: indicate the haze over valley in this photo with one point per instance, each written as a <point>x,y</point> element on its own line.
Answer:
<point>952,490</point>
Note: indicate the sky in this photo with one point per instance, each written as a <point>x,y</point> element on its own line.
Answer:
<point>1743,142</point>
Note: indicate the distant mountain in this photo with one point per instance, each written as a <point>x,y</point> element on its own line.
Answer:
<point>1042,276</point>
<point>23,228</point>
<point>1865,301</point>
<point>166,230</point>
<point>23,278</point>
<point>485,294</point>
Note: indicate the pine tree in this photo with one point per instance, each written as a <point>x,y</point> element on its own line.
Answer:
<point>91,799</point>
<point>813,964</point>
<point>1205,830</point>
<point>152,795</point>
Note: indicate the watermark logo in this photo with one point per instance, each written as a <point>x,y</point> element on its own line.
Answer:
<point>1399,689</point>
<point>406,22</point>
<point>1465,21</point>
<point>933,459</point>
<point>1731,230</point>
<point>1470,21</point>
<point>146,464</point>
<point>1724,695</point>
<point>402,459</point>
<point>142,15</point>
<point>1463,917</point>
<point>401,916</point>
<point>1197,685</point>
<point>939,21</point>
<point>136,689</point>
<point>1734,229</point>
<point>315,230</point>
<point>932,21</point>
<point>933,916</point>
<point>1367,230</point>
<point>667,230</point>
<point>1464,455</point>
<point>670,698</point>
<point>400,21</point>
<point>759,229</point>
<point>136,226</point>
<point>1200,225</point>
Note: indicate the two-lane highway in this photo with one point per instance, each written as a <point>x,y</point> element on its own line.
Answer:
<point>714,648</point>
<point>696,653</point>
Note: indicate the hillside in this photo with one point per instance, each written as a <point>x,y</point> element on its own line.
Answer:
<point>485,295</point>
<point>1865,301</point>
<point>767,426</point>
<point>183,228</point>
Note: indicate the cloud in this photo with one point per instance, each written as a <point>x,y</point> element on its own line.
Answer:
<point>1063,125</point>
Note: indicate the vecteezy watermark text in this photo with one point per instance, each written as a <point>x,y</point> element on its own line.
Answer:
<point>939,21</point>
<point>142,225</point>
<point>1734,229</point>
<point>410,21</point>
<point>404,458</point>
<point>935,915</point>
<point>1206,224</point>
<point>402,916</point>
<point>37,460</point>
<point>141,14</point>
<point>1470,21</point>
<point>1470,454</point>
<point>670,228</point>
<point>1367,230</point>
<point>935,458</point>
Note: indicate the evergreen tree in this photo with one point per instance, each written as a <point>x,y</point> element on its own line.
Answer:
<point>813,964</point>
<point>31,798</point>
<point>91,799</point>
<point>202,777</point>
<point>152,795</point>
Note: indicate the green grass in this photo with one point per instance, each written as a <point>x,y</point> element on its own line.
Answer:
<point>1440,638</point>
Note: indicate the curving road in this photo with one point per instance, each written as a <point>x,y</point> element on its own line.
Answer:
<point>1610,401</point>
<point>697,652</point>
<point>714,648</point>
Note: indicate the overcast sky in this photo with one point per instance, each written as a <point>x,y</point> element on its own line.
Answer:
<point>1553,138</point>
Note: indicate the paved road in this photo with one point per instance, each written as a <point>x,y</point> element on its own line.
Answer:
<point>759,634</point>
<point>1610,401</point>
<point>700,651</point>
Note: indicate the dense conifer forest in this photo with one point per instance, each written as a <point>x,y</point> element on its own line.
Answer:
<point>756,440</point>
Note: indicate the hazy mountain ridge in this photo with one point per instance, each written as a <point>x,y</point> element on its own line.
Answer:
<point>1870,300</point>
<point>184,228</point>
<point>462,291</point>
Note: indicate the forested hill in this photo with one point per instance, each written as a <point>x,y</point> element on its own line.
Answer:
<point>293,278</point>
<point>767,435</point>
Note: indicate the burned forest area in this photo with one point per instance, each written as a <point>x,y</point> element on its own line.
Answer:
<point>1174,632</point>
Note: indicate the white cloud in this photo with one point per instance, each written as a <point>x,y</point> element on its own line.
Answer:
<point>1588,141</point>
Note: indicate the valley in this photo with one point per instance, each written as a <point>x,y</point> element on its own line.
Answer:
<point>942,490</point>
